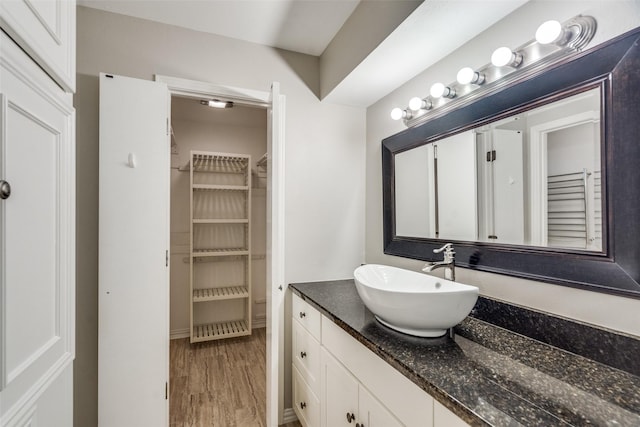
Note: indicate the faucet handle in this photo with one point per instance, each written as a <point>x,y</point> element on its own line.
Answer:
<point>446,248</point>
<point>449,253</point>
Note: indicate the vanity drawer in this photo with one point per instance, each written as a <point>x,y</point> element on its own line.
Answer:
<point>306,356</point>
<point>308,316</point>
<point>305,403</point>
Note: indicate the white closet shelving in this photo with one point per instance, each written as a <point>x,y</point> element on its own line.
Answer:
<point>220,258</point>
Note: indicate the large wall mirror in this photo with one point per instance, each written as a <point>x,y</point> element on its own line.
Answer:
<point>540,180</point>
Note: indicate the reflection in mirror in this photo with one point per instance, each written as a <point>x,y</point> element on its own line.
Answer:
<point>529,179</point>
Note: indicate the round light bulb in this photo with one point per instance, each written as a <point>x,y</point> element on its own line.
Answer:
<point>416,103</point>
<point>502,56</point>
<point>437,90</point>
<point>549,32</point>
<point>397,113</point>
<point>466,75</point>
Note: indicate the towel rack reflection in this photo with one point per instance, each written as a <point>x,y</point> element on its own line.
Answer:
<point>570,218</point>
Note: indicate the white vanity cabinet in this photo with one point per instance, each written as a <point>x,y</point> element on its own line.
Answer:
<point>306,356</point>
<point>394,397</point>
<point>305,403</point>
<point>337,381</point>
<point>373,413</point>
<point>442,417</point>
<point>346,402</point>
<point>305,345</point>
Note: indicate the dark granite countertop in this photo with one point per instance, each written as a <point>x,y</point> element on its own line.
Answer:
<point>488,375</point>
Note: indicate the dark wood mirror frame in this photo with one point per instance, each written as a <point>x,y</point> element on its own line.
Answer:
<point>614,67</point>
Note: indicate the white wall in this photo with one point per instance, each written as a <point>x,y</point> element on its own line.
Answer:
<point>614,18</point>
<point>324,169</point>
<point>370,23</point>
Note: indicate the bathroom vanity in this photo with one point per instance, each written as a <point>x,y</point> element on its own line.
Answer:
<point>350,370</point>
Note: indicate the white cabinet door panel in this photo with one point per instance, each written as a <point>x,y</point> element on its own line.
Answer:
<point>46,30</point>
<point>413,407</point>
<point>37,223</point>
<point>373,413</point>
<point>339,393</point>
<point>442,417</point>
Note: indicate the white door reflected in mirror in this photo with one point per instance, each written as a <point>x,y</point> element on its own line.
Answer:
<point>529,179</point>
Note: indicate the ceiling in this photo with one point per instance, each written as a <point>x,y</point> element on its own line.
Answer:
<point>308,26</point>
<point>305,26</point>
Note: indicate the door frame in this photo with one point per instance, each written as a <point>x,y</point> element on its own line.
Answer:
<point>538,169</point>
<point>275,244</point>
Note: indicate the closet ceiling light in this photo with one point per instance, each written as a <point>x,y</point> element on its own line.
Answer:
<point>216,103</point>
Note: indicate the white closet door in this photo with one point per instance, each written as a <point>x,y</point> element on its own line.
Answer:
<point>457,187</point>
<point>508,187</point>
<point>133,342</point>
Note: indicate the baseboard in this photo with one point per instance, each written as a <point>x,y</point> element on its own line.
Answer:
<point>179,333</point>
<point>289,416</point>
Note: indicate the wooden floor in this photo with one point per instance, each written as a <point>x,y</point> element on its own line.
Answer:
<point>219,383</point>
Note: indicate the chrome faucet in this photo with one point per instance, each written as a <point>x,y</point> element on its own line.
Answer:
<point>449,262</point>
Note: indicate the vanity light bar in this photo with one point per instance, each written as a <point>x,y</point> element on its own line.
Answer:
<point>553,42</point>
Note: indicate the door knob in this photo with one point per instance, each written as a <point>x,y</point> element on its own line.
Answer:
<point>303,405</point>
<point>350,417</point>
<point>5,189</point>
<point>303,354</point>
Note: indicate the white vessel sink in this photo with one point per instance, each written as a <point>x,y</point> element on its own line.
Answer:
<point>413,303</point>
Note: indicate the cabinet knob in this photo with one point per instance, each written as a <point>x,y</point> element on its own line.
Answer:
<point>350,417</point>
<point>303,405</point>
<point>359,425</point>
<point>5,189</point>
<point>303,354</point>
<point>302,314</point>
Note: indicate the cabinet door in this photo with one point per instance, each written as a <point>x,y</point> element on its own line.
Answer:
<point>46,30</point>
<point>339,394</point>
<point>372,413</point>
<point>37,242</point>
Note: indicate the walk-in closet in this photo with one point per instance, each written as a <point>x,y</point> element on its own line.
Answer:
<point>218,219</point>
<point>218,252</point>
